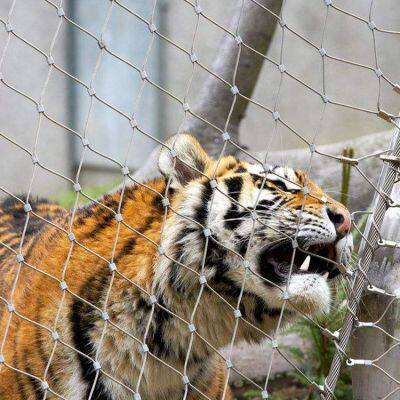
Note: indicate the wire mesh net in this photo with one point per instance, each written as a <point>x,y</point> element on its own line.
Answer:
<point>353,283</point>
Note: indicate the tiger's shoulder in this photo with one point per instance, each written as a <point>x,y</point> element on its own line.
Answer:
<point>20,223</point>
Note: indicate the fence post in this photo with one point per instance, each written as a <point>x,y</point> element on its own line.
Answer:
<point>369,249</point>
<point>383,311</point>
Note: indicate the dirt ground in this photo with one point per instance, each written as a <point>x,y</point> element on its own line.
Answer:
<point>283,387</point>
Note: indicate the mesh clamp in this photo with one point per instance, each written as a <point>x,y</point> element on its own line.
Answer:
<point>374,289</point>
<point>213,183</point>
<point>323,199</point>
<point>234,90</point>
<point>344,270</point>
<point>112,267</point>
<point>226,136</point>
<point>144,349</point>
<point>35,158</point>
<point>91,91</point>
<point>331,335</point>
<point>238,39</point>
<point>105,316</point>
<point>125,170</point>
<point>389,158</point>
<point>71,236</point>
<point>385,115</point>
<point>348,160</point>
<point>165,202</point>
<point>286,295</point>
<point>361,324</point>
<point>388,243</point>
<point>96,365</point>
<point>207,232</point>
<point>350,362</point>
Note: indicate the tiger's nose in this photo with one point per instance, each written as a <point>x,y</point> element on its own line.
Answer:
<point>340,218</point>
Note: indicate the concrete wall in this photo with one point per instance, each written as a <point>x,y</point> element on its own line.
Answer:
<point>26,70</point>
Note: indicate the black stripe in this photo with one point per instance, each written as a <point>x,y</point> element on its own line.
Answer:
<point>174,276</point>
<point>240,170</point>
<point>202,211</point>
<point>156,338</point>
<point>235,185</point>
<point>37,390</point>
<point>83,318</point>
<point>18,375</point>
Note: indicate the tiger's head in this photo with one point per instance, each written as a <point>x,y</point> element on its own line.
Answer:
<point>234,221</point>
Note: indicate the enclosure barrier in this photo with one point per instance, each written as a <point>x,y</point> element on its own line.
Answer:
<point>356,281</point>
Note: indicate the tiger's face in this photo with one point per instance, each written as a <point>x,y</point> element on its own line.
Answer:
<point>272,228</point>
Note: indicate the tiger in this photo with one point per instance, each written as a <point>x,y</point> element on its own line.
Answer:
<point>133,295</point>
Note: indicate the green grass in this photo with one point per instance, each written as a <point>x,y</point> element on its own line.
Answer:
<point>67,198</point>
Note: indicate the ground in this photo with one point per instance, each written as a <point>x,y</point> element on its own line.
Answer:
<point>282,387</point>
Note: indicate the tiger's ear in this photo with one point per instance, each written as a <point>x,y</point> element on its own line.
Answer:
<point>184,162</point>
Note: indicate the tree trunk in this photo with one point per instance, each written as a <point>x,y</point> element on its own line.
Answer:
<point>256,28</point>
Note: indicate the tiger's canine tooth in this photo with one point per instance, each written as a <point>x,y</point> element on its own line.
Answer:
<point>325,275</point>
<point>306,264</point>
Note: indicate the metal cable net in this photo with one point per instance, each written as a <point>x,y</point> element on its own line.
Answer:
<point>354,281</point>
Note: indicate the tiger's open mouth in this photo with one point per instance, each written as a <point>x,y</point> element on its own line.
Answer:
<point>320,259</point>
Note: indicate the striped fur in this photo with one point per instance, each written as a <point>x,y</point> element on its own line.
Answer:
<point>86,338</point>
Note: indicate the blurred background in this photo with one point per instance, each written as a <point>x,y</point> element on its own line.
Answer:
<point>76,53</point>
